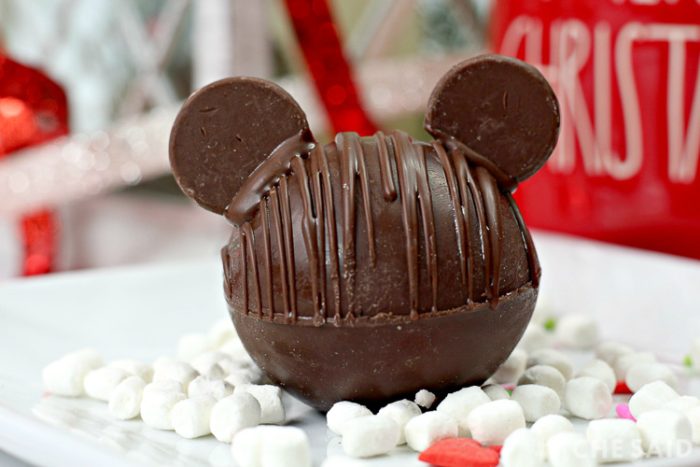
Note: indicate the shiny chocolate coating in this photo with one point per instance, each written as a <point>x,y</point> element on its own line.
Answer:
<point>365,242</point>
<point>371,267</point>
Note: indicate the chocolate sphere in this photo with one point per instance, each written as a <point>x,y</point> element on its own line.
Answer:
<point>372,267</point>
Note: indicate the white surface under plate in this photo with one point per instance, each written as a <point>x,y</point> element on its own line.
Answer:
<point>646,300</point>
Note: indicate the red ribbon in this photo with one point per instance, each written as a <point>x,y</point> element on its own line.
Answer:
<point>332,76</point>
<point>33,110</point>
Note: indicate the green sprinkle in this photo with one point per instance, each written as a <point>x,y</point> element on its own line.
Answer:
<point>550,324</point>
<point>688,361</point>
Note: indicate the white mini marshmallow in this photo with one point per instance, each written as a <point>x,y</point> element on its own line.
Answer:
<point>425,429</point>
<point>207,364</point>
<point>570,450</point>
<point>545,375</point>
<point>624,362</point>
<point>235,350</point>
<point>587,398</point>
<point>599,369</point>
<point>65,376</point>
<point>495,392</point>
<point>244,376</point>
<point>534,338</point>
<point>512,368</point>
<point>191,345</point>
<point>401,412</point>
<point>425,398</point>
<point>548,426</point>
<point>370,436</point>
<point>536,401</point>
<point>342,412</point>
<point>190,417</point>
<point>232,414</point>
<point>241,374</point>
<point>460,403</point>
<point>221,332</point>
<point>520,449</point>
<point>665,433</point>
<point>164,386</point>
<point>615,440</point>
<point>100,383</point>
<point>134,367</point>
<point>694,419</point>
<point>166,369</point>
<point>203,386</point>
<point>609,351</point>
<point>228,364</point>
<point>157,402</point>
<point>214,372</point>
<point>683,404</point>
<point>491,423</point>
<point>651,396</point>
<point>577,331</point>
<point>270,399</point>
<point>553,358</point>
<point>271,446</point>
<point>125,400</point>
<point>644,373</point>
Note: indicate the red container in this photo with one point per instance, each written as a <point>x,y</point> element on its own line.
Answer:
<point>626,169</point>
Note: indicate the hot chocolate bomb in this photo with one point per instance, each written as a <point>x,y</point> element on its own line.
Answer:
<point>369,268</point>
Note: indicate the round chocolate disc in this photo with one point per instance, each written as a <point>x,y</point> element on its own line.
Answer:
<point>500,107</point>
<point>224,131</point>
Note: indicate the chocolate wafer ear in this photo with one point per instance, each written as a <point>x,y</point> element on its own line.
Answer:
<point>224,131</point>
<point>500,107</point>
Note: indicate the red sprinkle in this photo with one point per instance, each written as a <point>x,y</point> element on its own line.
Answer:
<point>622,388</point>
<point>460,452</point>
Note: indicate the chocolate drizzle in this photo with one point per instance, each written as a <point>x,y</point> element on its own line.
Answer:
<point>388,187</point>
<point>492,237</point>
<point>460,206</point>
<point>416,200</point>
<point>532,259</point>
<point>308,231</point>
<point>300,169</point>
<point>267,256</point>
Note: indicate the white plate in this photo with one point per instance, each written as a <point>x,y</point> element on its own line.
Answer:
<point>643,299</point>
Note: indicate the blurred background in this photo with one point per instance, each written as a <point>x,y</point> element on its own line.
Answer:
<point>89,90</point>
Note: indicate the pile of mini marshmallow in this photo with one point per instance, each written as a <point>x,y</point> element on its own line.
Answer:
<point>212,387</point>
<point>537,384</point>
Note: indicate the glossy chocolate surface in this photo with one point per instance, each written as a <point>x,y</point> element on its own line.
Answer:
<point>372,226</point>
<point>387,360</point>
<point>371,267</point>
<point>222,134</point>
<point>500,108</point>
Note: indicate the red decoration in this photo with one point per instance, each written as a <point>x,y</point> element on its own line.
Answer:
<point>332,75</point>
<point>622,388</point>
<point>627,75</point>
<point>460,452</point>
<point>33,110</point>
